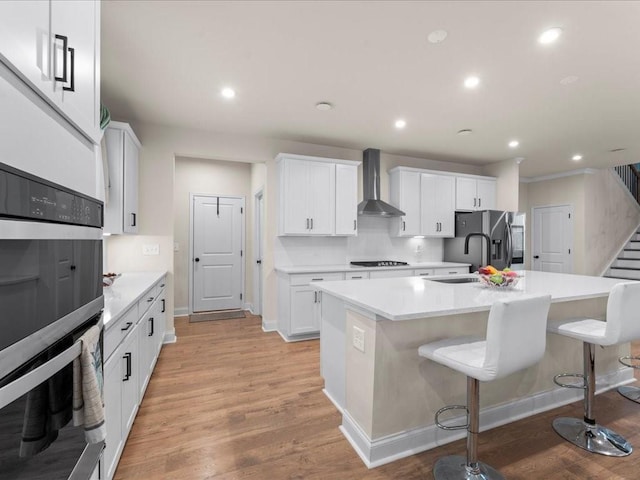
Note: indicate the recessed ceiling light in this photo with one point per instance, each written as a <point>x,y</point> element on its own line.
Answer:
<point>568,80</point>
<point>471,82</point>
<point>228,92</point>
<point>324,106</point>
<point>576,158</point>
<point>550,35</point>
<point>437,36</point>
<point>465,132</point>
<point>400,124</point>
<point>514,143</point>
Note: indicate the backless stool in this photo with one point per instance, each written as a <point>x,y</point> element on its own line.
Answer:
<point>622,325</point>
<point>516,339</point>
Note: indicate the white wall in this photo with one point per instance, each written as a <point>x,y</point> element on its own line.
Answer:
<point>507,185</point>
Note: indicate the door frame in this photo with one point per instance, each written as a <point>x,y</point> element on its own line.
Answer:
<point>570,239</point>
<point>192,197</point>
<point>258,229</point>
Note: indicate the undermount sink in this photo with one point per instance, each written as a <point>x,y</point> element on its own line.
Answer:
<point>455,280</point>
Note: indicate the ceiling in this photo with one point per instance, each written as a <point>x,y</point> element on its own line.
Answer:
<point>165,62</point>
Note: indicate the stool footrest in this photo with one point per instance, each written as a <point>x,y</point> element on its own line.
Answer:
<point>629,357</point>
<point>567,385</point>
<point>452,427</point>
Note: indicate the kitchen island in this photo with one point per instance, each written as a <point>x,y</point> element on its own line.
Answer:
<point>388,394</point>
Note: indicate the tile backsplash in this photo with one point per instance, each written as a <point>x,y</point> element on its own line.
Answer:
<point>372,243</point>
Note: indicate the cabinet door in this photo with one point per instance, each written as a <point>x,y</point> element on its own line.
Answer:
<point>77,22</point>
<point>346,200</point>
<point>129,358</point>
<point>409,204</point>
<point>25,41</point>
<point>113,375</point>
<point>294,203</point>
<point>466,198</point>
<point>304,301</point>
<point>322,197</point>
<point>445,205</point>
<point>130,189</point>
<point>429,205</point>
<point>486,191</point>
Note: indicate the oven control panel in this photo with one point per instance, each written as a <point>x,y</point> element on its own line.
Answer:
<point>24,196</point>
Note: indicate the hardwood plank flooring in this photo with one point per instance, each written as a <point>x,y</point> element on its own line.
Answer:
<point>228,401</point>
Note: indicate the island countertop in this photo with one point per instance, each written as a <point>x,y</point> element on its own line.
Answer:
<point>410,298</point>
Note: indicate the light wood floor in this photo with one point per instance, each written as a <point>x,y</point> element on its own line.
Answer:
<point>229,401</point>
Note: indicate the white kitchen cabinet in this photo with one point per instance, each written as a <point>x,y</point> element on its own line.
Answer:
<point>131,348</point>
<point>346,200</point>
<point>437,201</point>
<point>55,48</point>
<point>307,196</point>
<point>299,304</point>
<point>121,209</point>
<point>404,193</point>
<point>475,193</point>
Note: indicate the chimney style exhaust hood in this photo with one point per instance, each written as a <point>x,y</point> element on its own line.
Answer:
<point>372,205</point>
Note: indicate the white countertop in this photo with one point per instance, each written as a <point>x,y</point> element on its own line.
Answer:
<point>410,298</point>
<point>350,268</point>
<point>125,292</point>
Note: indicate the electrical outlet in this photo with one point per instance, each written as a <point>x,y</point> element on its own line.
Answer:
<point>151,249</point>
<point>358,338</point>
<point>419,248</point>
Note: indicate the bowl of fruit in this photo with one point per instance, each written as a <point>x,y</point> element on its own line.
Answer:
<point>491,277</point>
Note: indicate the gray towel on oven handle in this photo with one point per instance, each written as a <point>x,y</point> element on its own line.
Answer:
<point>88,403</point>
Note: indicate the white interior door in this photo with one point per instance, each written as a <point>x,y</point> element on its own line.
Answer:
<point>257,276</point>
<point>552,239</point>
<point>217,233</point>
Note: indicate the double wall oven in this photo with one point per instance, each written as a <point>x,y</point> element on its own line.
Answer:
<point>50,293</point>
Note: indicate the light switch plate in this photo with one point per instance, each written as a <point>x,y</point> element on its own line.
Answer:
<point>358,338</point>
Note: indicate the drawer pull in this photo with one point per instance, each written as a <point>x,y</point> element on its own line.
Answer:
<point>355,278</point>
<point>452,273</point>
<point>163,306</point>
<point>150,299</point>
<point>128,326</point>
<point>317,279</point>
<point>162,286</point>
<point>424,274</point>
<point>127,375</point>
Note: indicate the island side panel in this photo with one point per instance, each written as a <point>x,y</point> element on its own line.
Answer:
<point>408,389</point>
<point>332,348</point>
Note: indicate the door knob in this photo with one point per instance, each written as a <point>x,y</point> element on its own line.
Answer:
<point>258,261</point>
<point>536,256</point>
<point>197,259</point>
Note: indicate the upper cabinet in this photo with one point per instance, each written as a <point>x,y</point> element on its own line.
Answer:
<point>55,48</point>
<point>308,201</point>
<point>404,193</point>
<point>437,200</point>
<point>121,209</point>
<point>475,193</point>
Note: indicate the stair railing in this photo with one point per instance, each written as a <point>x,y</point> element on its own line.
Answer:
<point>631,178</point>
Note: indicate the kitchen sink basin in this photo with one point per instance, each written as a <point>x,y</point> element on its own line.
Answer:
<point>456,280</point>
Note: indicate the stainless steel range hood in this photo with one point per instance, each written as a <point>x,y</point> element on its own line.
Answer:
<point>372,205</point>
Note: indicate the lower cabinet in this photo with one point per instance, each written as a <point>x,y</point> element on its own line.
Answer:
<point>132,346</point>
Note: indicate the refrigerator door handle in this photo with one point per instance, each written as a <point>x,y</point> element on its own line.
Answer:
<point>509,235</point>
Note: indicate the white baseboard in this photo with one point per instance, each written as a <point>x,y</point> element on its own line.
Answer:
<point>180,311</point>
<point>268,325</point>
<point>403,444</point>
<point>170,337</point>
<point>330,397</point>
<point>248,306</point>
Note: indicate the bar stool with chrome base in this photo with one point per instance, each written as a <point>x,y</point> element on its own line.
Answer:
<point>516,339</point>
<point>621,326</point>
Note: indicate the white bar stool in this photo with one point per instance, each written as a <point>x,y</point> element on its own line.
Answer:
<point>516,339</point>
<point>622,325</point>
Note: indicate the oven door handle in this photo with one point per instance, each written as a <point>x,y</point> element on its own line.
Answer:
<point>26,383</point>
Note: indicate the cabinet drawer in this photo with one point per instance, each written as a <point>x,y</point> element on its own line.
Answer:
<point>424,272</point>
<point>307,278</point>
<point>147,300</point>
<point>451,270</point>
<point>357,275</point>
<point>115,333</point>
<point>391,273</point>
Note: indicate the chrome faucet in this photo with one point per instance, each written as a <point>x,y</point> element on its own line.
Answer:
<point>486,237</point>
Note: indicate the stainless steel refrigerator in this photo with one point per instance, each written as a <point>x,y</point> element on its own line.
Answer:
<point>494,238</point>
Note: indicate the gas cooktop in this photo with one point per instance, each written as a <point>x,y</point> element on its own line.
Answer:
<point>379,263</point>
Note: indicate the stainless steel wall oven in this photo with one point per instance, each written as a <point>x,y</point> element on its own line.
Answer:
<point>50,293</point>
